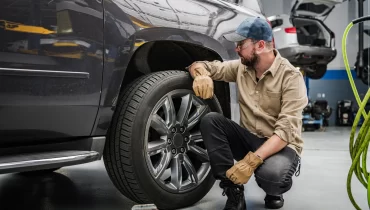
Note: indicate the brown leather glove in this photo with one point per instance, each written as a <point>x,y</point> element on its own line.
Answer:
<point>203,83</point>
<point>242,171</point>
<point>198,69</point>
<point>203,87</point>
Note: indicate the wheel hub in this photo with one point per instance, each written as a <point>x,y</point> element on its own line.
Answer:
<point>178,139</point>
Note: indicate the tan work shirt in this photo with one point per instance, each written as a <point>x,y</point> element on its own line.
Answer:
<point>274,104</point>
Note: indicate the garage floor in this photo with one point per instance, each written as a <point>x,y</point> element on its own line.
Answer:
<point>321,185</point>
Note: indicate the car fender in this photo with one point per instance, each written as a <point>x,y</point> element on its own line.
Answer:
<point>127,29</point>
<point>224,48</point>
<point>115,67</point>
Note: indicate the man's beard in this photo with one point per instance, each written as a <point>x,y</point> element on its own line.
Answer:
<point>250,62</point>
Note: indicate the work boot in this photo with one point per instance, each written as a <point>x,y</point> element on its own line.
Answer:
<point>274,202</point>
<point>235,196</point>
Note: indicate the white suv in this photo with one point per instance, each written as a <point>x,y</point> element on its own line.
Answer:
<point>303,38</point>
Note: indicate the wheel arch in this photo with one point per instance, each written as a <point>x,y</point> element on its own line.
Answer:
<point>159,49</point>
<point>164,55</point>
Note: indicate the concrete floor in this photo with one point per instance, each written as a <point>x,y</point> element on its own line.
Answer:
<point>321,185</point>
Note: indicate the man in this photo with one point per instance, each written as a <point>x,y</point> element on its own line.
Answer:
<point>272,95</point>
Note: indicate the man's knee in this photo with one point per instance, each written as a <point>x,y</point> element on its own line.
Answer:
<point>275,178</point>
<point>209,119</point>
<point>274,182</point>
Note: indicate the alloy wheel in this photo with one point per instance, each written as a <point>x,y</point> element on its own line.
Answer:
<point>175,153</point>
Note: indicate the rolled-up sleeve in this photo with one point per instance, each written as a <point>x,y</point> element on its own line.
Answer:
<point>222,71</point>
<point>294,100</point>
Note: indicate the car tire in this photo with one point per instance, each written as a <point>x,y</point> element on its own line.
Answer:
<point>133,148</point>
<point>318,73</point>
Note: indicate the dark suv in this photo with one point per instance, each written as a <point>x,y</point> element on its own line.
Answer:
<point>85,79</point>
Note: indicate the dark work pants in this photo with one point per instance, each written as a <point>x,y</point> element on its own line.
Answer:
<point>225,141</point>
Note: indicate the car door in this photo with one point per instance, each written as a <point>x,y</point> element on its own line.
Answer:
<point>158,12</point>
<point>51,67</point>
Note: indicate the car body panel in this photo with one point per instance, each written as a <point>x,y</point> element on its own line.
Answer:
<point>308,55</point>
<point>50,68</point>
<point>141,22</point>
<point>282,39</point>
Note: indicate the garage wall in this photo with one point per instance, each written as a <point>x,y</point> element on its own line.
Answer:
<point>336,75</point>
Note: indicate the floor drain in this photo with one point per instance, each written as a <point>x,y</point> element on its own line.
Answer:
<point>145,207</point>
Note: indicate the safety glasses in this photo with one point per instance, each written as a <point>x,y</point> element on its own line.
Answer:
<point>241,45</point>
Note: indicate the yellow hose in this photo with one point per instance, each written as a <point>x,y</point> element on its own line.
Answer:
<point>358,148</point>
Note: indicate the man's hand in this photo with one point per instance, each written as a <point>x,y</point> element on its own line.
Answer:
<point>242,171</point>
<point>203,86</point>
<point>198,69</point>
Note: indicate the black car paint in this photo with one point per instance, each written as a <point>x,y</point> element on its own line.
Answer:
<point>66,84</point>
<point>50,83</point>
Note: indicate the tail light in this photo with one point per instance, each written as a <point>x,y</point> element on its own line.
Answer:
<point>291,30</point>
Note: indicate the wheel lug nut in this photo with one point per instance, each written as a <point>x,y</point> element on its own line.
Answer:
<point>169,141</point>
<point>182,129</point>
<point>173,151</point>
<point>173,130</point>
<point>182,149</point>
<point>186,139</point>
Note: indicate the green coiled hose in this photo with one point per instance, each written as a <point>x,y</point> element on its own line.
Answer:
<point>358,148</point>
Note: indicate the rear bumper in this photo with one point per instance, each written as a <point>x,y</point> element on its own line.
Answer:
<point>308,55</point>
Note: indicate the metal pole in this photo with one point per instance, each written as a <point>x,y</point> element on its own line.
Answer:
<point>360,34</point>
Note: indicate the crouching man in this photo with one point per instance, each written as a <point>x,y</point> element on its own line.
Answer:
<point>272,95</point>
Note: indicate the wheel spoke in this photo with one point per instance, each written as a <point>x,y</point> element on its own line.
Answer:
<point>200,153</point>
<point>186,104</point>
<point>190,169</point>
<point>176,172</point>
<point>156,147</point>
<point>163,164</point>
<point>169,111</point>
<point>159,125</point>
<point>202,110</point>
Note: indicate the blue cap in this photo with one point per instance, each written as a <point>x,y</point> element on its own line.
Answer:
<point>252,28</point>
